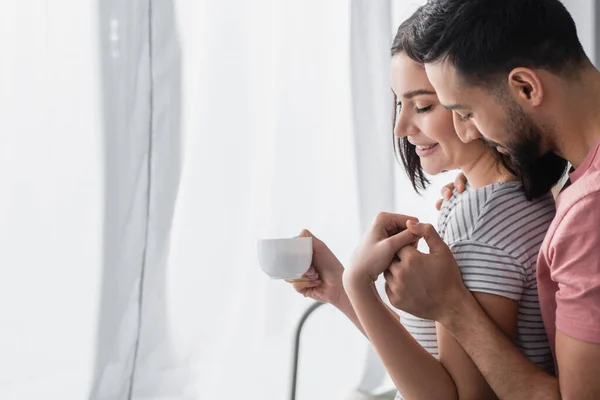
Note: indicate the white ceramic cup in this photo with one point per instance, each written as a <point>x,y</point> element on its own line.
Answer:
<point>288,258</point>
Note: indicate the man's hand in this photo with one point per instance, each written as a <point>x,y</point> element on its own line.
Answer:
<point>460,184</point>
<point>426,285</point>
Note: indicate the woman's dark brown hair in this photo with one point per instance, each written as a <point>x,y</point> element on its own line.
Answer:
<point>539,179</point>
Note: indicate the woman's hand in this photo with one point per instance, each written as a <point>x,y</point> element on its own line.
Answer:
<point>383,240</point>
<point>323,281</point>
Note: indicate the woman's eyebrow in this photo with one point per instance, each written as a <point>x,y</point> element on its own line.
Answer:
<point>417,92</point>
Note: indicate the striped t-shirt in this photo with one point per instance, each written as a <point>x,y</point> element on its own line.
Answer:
<point>495,235</point>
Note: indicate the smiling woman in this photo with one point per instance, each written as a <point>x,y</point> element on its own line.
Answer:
<point>429,141</point>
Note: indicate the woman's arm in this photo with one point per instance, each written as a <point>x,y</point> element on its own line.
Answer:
<point>345,306</point>
<point>415,373</point>
<point>470,383</point>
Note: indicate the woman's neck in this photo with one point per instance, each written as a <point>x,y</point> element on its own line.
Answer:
<point>486,170</point>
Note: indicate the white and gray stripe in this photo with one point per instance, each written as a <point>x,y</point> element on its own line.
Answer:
<point>495,235</point>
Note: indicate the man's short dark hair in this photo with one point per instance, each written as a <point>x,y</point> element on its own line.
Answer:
<point>485,39</point>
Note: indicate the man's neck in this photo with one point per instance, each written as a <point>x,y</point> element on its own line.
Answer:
<point>578,127</point>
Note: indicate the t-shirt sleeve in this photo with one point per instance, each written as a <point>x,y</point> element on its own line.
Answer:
<point>575,264</point>
<point>487,269</point>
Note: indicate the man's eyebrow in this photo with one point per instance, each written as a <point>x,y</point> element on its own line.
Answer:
<point>455,107</point>
<point>417,92</point>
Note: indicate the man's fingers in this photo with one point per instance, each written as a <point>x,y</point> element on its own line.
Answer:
<point>407,253</point>
<point>447,191</point>
<point>428,232</point>
<point>400,240</point>
<point>460,183</point>
<point>438,204</point>
<point>391,275</point>
<point>387,274</point>
<point>390,223</point>
<point>389,292</point>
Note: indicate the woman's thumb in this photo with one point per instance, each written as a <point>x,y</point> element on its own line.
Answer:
<point>306,233</point>
<point>318,245</point>
<point>427,232</point>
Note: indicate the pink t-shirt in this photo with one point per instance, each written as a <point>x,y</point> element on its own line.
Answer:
<point>569,261</point>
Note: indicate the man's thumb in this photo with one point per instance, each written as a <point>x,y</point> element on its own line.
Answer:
<point>427,232</point>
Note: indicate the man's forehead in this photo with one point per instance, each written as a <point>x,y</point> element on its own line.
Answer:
<point>441,69</point>
<point>443,77</point>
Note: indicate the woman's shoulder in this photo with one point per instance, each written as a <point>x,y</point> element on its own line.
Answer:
<point>509,221</point>
<point>507,201</point>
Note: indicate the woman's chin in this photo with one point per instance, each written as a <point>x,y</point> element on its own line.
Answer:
<point>432,170</point>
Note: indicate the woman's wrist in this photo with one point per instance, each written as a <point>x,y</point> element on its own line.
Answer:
<point>355,280</point>
<point>343,302</point>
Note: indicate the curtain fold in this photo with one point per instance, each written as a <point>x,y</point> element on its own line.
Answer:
<point>125,41</point>
<point>373,107</point>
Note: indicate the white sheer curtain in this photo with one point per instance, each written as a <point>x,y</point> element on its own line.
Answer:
<point>269,150</point>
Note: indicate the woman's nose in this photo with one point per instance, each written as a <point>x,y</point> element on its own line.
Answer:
<point>404,126</point>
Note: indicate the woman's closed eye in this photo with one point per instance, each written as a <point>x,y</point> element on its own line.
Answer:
<point>420,110</point>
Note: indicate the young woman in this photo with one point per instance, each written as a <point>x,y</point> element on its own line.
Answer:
<point>492,228</point>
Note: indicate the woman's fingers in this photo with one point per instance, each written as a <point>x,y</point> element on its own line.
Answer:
<point>312,273</point>
<point>308,276</point>
<point>301,286</point>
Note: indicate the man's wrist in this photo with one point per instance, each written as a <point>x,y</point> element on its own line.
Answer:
<point>463,309</point>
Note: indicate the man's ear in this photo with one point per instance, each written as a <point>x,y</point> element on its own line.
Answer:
<point>526,87</point>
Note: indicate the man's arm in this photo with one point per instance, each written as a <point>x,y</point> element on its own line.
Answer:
<point>579,365</point>
<point>430,286</point>
<point>510,374</point>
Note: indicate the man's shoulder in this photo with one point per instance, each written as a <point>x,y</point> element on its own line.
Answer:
<point>577,220</point>
<point>581,200</point>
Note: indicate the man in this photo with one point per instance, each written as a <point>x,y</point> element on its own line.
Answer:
<point>517,71</point>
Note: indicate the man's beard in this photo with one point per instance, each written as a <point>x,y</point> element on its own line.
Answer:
<point>538,170</point>
<point>525,143</point>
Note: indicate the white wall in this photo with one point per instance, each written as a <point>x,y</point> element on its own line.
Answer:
<point>584,13</point>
